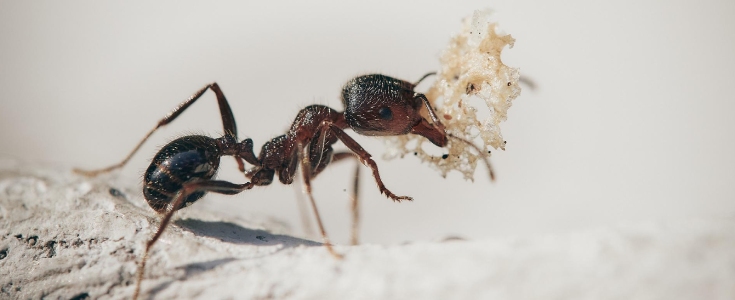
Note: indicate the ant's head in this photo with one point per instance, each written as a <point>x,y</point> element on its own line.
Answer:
<point>379,105</point>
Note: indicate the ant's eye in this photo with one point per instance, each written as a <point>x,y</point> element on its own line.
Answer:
<point>386,113</point>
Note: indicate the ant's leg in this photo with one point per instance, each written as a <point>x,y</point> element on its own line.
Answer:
<point>303,156</point>
<point>366,159</point>
<point>228,122</point>
<point>321,163</point>
<point>354,239</point>
<point>303,212</point>
<point>240,164</point>
<point>320,145</point>
<point>215,186</point>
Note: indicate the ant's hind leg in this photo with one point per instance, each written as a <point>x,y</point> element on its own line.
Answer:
<point>215,186</point>
<point>354,239</point>
<point>228,122</point>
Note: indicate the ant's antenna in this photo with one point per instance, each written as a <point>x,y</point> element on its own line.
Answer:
<point>424,77</point>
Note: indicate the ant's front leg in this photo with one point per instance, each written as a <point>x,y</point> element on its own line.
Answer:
<point>228,122</point>
<point>364,157</point>
<point>215,186</point>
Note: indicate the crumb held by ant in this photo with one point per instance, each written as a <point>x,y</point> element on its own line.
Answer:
<point>470,89</point>
<point>470,67</point>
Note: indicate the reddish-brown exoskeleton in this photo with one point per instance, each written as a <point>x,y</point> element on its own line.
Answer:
<point>376,105</point>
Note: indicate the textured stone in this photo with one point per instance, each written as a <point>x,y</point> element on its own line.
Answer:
<point>63,236</point>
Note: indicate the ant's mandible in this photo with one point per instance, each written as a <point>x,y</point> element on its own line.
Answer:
<point>183,171</point>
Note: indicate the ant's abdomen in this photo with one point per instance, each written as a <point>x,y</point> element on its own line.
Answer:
<point>182,160</point>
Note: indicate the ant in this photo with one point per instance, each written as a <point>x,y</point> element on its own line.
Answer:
<point>183,171</point>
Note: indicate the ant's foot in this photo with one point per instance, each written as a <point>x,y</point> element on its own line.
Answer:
<point>397,198</point>
<point>335,254</point>
<point>331,250</point>
<point>401,198</point>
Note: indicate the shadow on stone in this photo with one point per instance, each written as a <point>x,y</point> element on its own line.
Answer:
<point>196,268</point>
<point>189,270</point>
<point>236,234</point>
<point>229,233</point>
<point>151,294</point>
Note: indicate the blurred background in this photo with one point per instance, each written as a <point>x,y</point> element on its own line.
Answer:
<point>631,120</point>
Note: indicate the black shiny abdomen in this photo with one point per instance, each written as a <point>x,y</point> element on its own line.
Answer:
<point>182,160</point>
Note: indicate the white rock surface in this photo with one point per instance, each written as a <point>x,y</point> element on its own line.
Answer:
<point>63,236</point>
